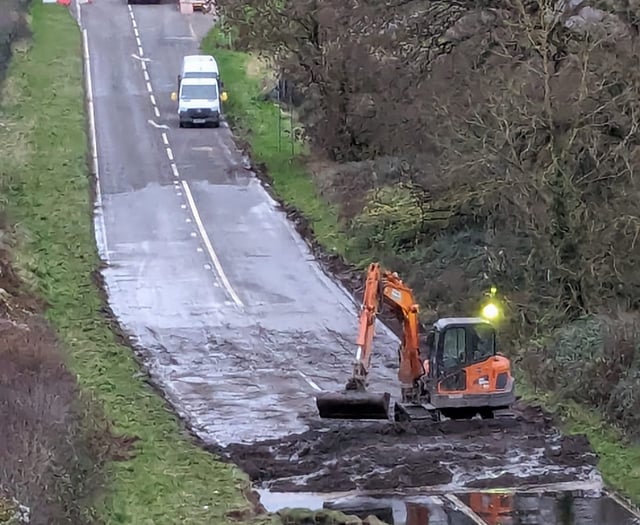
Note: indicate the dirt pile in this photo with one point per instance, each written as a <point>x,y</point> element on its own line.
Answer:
<point>346,456</point>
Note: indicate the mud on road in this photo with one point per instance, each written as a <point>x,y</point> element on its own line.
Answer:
<point>381,456</point>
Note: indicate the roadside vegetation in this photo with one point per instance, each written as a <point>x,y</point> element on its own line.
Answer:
<point>465,147</point>
<point>83,437</point>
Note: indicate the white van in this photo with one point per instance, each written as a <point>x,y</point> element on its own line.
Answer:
<point>199,91</point>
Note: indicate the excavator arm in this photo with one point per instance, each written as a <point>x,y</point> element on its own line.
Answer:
<point>386,287</point>
<point>366,330</point>
<point>381,287</point>
<point>400,297</point>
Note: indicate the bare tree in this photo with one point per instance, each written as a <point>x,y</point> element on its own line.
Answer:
<point>552,147</point>
<point>359,65</point>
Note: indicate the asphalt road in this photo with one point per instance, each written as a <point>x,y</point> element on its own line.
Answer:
<point>239,325</point>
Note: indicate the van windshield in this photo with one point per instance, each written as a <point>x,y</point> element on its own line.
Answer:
<point>199,92</point>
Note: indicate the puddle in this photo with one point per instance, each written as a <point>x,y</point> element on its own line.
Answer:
<point>542,505</point>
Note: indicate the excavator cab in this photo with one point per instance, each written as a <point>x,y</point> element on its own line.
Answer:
<point>455,343</point>
<point>465,373</point>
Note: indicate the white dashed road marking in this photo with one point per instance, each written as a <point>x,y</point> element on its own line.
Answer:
<point>192,205</point>
<point>143,60</point>
<point>309,381</point>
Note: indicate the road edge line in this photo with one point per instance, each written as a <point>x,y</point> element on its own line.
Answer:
<point>100,230</point>
<point>622,501</point>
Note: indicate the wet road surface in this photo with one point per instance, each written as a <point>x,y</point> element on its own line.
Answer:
<point>235,320</point>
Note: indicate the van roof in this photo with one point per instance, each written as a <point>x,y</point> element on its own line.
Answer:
<point>200,62</point>
<point>208,58</point>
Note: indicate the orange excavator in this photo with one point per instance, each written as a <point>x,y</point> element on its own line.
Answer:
<point>460,376</point>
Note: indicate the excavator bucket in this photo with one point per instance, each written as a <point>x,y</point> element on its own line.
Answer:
<point>353,405</point>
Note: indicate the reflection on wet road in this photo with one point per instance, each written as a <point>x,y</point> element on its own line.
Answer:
<point>470,508</point>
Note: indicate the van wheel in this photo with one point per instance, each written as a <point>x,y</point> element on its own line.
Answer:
<point>181,124</point>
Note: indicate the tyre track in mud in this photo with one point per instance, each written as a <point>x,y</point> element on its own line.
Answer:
<point>235,375</point>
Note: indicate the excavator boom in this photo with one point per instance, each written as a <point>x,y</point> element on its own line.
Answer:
<point>355,402</point>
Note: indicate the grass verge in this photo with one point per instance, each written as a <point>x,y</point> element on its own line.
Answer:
<point>169,479</point>
<point>255,121</point>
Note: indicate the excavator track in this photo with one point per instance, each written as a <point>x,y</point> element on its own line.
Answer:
<point>404,412</point>
<point>407,412</point>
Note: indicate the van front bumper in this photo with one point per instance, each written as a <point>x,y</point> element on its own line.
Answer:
<point>199,116</point>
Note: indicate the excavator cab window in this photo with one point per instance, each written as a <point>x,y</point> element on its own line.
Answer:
<point>454,348</point>
<point>483,342</point>
<point>457,347</point>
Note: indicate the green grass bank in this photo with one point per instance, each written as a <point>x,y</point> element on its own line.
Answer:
<point>46,191</point>
<point>255,121</point>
